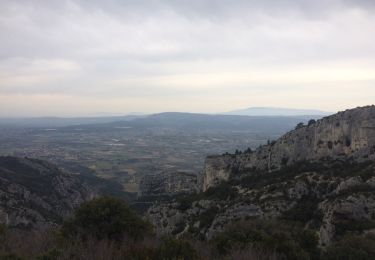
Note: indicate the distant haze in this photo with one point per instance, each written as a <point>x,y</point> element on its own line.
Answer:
<point>277,111</point>
<point>76,57</point>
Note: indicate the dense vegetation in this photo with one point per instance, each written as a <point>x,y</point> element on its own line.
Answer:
<point>106,228</point>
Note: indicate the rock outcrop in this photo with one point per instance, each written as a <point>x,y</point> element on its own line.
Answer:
<point>36,194</point>
<point>347,134</point>
<point>168,183</point>
<point>321,175</point>
<point>330,197</point>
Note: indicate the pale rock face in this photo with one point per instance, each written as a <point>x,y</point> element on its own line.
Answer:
<point>333,194</point>
<point>338,199</point>
<point>353,207</point>
<point>216,169</point>
<point>346,134</point>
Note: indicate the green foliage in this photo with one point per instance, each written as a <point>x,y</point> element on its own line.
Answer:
<point>3,230</point>
<point>49,255</point>
<point>304,211</point>
<point>311,122</point>
<point>174,249</point>
<point>288,240</point>
<point>352,248</point>
<point>248,151</point>
<point>328,168</point>
<point>223,191</point>
<point>180,226</point>
<point>299,125</point>
<point>237,152</point>
<point>105,217</point>
<point>7,256</point>
<point>206,218</point>
<point>346,226</point>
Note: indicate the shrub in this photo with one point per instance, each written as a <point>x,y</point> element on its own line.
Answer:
<point>285,239</point>
<point>311,122</point>
<point>299,125</point>
<point>9,257</point>
<point>346,226</point>
<point>352,248</point>
<point>223,191</point>
<point>305,210</point>
<point>105,217</point>
<point>173,249</point>
<point>207,217</point>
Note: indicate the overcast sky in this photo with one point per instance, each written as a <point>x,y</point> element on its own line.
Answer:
<point>70,58</point>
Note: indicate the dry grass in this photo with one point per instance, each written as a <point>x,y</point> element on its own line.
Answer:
<point>33,244</point>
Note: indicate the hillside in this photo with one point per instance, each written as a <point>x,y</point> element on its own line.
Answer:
<point>36,194</point>
<point>347,134</point>
<point>321,175</point>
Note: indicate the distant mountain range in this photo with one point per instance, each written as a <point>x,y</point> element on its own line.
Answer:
<point>62,121</point>
<point>203,123</point>
<point>277,111</point>
<point>177,120</point>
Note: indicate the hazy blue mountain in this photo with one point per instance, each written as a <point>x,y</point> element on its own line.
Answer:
<point>254,117</point>
<point>206,123</point>
<point>277,111</point>
<point>62,121</point>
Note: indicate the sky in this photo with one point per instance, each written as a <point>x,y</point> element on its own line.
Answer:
<point>82,58</point>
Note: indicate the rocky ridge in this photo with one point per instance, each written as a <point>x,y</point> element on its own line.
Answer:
<point>36,194</point>
<point>347,134</point>
<point>321,175</point>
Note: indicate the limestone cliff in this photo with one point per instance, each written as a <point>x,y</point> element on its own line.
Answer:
<point>347,134</point>
<point>321,175</point>
<point>331,197</point>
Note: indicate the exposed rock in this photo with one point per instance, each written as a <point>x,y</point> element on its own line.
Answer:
<point>324,198</point>
<point>168,183</point>
<point>350,133</point>
<point>35,194</point>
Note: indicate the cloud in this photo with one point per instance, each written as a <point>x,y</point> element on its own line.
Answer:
<point>170,50</point>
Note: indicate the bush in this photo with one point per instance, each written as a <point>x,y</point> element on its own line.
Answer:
<point>9,257</point>
<point>299,125</point>
<point>173,249</point>
<point>311,122</point>
<point>207,217</point>
<point>305,210</point>
<point>285,239</point>
<point>223,191</point>
<point>105,217</point>
<point>347,226</point>
<point>352,248</point>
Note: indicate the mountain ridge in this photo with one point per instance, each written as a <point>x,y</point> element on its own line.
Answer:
<point>277,111</point>
<point>347,133</point>
<point>328,186</point>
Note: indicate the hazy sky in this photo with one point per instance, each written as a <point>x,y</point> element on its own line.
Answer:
<point>69,58</point>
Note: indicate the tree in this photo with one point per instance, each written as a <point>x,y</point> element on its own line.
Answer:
<point>299,125</point>
<point>311,122</point>
<point>105,217</point>
<point>248,150</point>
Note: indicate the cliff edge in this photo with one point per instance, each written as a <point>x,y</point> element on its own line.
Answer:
<point>347,134</point>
